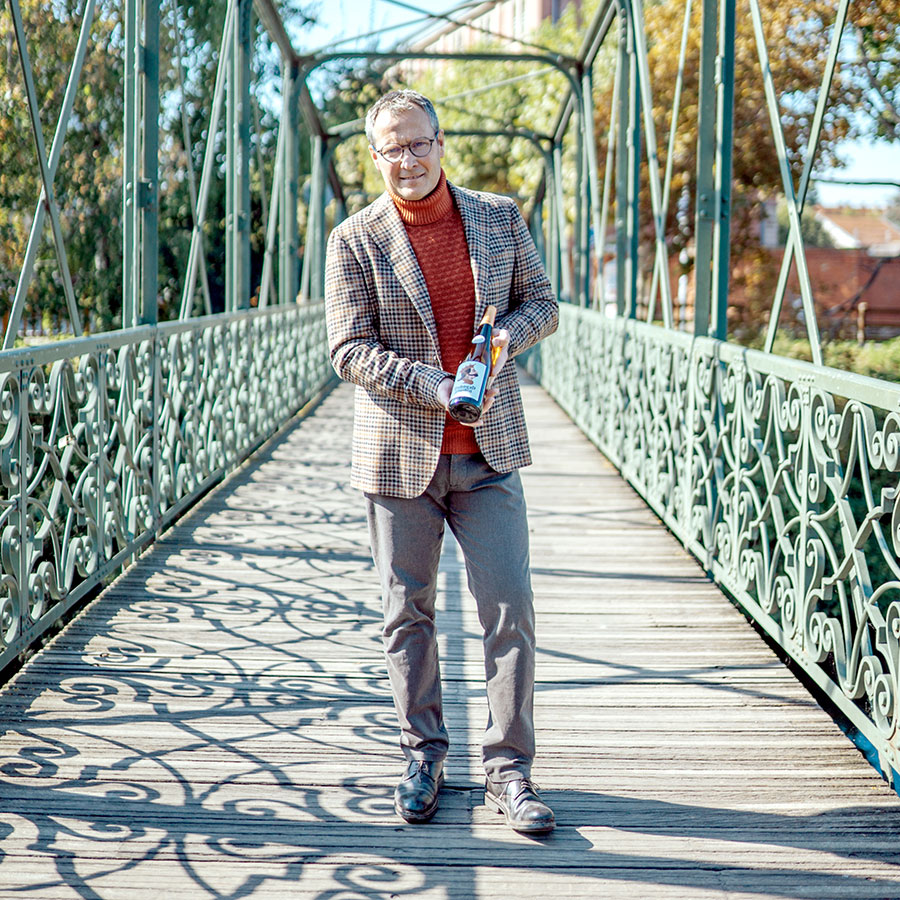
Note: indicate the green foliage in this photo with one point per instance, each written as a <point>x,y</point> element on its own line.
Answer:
<point>877,359</point>
<point>876,66</point>
<point>88,184</point>
<point>811,229</point>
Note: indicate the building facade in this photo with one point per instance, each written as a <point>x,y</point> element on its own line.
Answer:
<point>493,20</point>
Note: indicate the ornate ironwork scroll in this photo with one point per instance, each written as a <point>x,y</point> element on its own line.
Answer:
<point>780,476</point>
<point>106,440</point>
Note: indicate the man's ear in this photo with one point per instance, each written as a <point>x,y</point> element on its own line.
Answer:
<point>373,153</point>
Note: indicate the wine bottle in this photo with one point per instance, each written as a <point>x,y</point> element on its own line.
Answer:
<point>473,374</point>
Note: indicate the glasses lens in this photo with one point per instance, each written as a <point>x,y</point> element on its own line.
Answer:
<point>419,147</point>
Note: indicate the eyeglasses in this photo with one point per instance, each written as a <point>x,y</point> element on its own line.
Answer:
<point>419,147</point>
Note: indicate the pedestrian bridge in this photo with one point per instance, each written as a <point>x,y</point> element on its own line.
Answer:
<point>218,722</point>
<point>195,703</point>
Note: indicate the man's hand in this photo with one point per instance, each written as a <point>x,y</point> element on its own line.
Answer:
<point>444,389</point>
<point>500,340</point>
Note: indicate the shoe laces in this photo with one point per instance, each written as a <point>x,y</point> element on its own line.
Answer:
<point>526,784</point>
<point>421,769</point>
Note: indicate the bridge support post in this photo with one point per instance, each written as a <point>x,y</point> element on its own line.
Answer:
<point>288,282</point>
<point>313,256</point>
<point>536,226</point>
<point>141,164</point>
<point>714,147</point>
<point>725,138</point>
<point>237,179</point>
<point>628,158</point>
<point>561,249</point>
<point>593,186</point>
<point>552,259</point>
<point>581,228</point>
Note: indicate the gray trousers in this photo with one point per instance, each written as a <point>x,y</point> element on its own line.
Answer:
<point>486,513</point>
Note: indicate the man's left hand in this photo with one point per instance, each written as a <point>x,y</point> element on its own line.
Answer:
<point>500,340</point>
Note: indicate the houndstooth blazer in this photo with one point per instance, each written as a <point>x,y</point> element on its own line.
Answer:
<point>383,338</point>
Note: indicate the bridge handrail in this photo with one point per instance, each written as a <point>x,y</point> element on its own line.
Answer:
<point>779,475</point>
<point>105,440</point>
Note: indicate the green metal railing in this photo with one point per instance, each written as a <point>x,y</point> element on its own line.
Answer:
<point>779,475</point>
<point>108,438</point>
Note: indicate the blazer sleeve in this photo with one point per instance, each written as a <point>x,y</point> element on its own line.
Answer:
<point>357,352</point>
<point>533,311</point>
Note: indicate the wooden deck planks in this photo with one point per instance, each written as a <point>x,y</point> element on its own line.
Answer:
<point>218,722</point>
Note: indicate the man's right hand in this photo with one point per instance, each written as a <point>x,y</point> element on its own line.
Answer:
<point>444,389</point>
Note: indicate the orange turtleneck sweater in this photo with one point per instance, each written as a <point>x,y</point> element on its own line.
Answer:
<point>436,232</point>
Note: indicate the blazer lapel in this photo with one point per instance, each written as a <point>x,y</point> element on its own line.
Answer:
<point>476,225</point>
<point>388,232</point>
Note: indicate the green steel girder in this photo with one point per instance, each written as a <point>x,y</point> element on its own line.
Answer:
<point>724,152</point>
<point>237,167</point>
<point>705,217</point>
<point>313,274</point>
<point>567,65</point>
<point>141,196</point>
<point>46,169</point>
<point>542,142</point>
<point>795,242</point>
<point>38,219</point>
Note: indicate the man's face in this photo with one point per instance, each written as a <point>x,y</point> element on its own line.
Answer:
<point>411,177</point>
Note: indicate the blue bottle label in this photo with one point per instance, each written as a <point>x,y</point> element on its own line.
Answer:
<point>470,382</point>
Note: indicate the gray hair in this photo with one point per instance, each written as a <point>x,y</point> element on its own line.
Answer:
<point>399,100</point>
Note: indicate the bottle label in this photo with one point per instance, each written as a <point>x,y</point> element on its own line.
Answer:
<point>470,382</point>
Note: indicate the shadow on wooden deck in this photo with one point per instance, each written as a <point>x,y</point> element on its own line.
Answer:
<point>218,722</point>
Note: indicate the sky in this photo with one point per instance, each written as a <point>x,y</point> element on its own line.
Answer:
<point>339,19</point>
<point>866,161</point>
<point>349,18</point>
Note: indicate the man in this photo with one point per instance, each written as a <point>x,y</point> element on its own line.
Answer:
<point>407,282</point>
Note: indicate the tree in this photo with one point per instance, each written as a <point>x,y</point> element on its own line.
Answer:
<point>876,25</point>
<point>893,210</point>
<point>88,184</point>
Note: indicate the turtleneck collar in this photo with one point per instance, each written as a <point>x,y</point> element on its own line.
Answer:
<point>429,209</point>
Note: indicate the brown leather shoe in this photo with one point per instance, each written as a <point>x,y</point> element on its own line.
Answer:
<point>416,797</point>
<point>520,802</point>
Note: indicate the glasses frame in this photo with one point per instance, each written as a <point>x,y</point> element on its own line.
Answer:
<point>407,147</point>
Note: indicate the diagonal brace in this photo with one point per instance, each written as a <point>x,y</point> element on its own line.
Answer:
<point>49,198</point>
